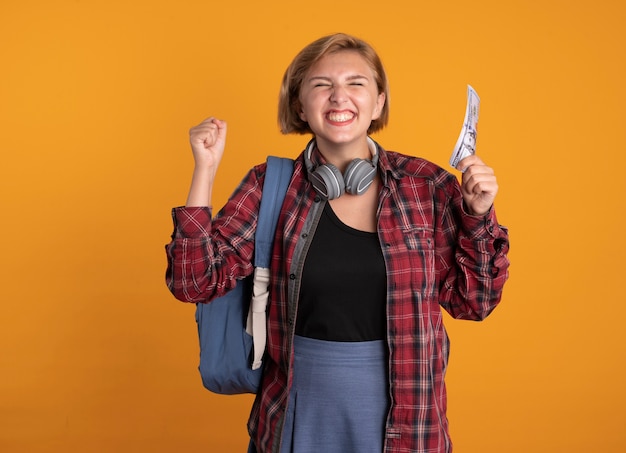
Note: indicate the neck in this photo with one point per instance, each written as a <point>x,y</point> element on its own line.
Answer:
<point>341,154</point>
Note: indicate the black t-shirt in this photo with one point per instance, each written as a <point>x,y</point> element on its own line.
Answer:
<point>344,285</point>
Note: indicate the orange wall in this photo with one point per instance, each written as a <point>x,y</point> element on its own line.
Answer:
<point>96,98</point>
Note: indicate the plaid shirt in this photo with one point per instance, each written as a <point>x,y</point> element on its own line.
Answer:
<point>435,254</point>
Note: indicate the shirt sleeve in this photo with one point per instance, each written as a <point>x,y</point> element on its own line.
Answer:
<point>193,222</point>
<point>207,255</point>
<point>473,263</point>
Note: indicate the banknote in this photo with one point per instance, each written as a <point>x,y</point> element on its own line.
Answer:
<point>466,144</point>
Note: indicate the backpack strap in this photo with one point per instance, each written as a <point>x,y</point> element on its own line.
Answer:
<point>277,178</point>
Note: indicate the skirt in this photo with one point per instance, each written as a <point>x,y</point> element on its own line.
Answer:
<point>339,399</point>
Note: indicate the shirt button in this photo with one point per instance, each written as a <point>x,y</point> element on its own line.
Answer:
<point>317,199</point>
<point>292,276</point>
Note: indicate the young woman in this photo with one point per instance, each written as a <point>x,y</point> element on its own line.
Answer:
<point>369,246</point>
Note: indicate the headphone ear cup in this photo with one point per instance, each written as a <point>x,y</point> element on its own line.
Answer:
<point>359,176</point>
<point>328,181</point>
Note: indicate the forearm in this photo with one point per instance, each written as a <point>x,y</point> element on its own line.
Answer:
<point>201,188</point>
<point>200,263</point>
<point>208,254</point>
<point>472,286</point>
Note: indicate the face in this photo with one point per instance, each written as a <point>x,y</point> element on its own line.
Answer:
<point>339,99</point>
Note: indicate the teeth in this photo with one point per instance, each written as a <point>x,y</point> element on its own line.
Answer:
<point>340,117</point>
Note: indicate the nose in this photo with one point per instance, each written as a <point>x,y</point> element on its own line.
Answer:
<point>338,94</point>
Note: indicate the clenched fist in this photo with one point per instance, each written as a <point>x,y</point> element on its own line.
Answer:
<point>207,142</point>
<point>478,185</point>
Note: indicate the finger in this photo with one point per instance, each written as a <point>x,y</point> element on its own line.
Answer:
<point>485,187</point>
<point>477,173</point>
<point>210,122</point>
<point>476,170</point>
<point>211,127</point>
<point>468,161</point>
<point>221,124</point>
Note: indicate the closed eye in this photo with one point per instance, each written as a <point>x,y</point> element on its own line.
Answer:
<point>358,80</point>
<point>320,82</point>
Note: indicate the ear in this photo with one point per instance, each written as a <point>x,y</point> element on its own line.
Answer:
<point>380,103</point>
<point>297,107</point>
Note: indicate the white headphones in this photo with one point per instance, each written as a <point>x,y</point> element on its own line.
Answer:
<point>330,183</point>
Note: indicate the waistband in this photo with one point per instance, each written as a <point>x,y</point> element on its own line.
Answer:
<point>344,351</point>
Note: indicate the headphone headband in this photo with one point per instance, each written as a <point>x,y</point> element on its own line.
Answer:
<point>371,144</point>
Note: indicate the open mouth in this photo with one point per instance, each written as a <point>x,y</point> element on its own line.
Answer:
<point>340,117</point>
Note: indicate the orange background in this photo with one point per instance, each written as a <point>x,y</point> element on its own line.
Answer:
<point>96,98</point>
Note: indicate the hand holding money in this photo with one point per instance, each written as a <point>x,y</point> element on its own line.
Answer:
<point>478,183</point>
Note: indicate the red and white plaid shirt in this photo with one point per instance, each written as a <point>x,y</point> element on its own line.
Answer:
<point>436,256</point>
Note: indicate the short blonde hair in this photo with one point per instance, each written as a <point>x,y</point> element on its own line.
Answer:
<point>289,99</point>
